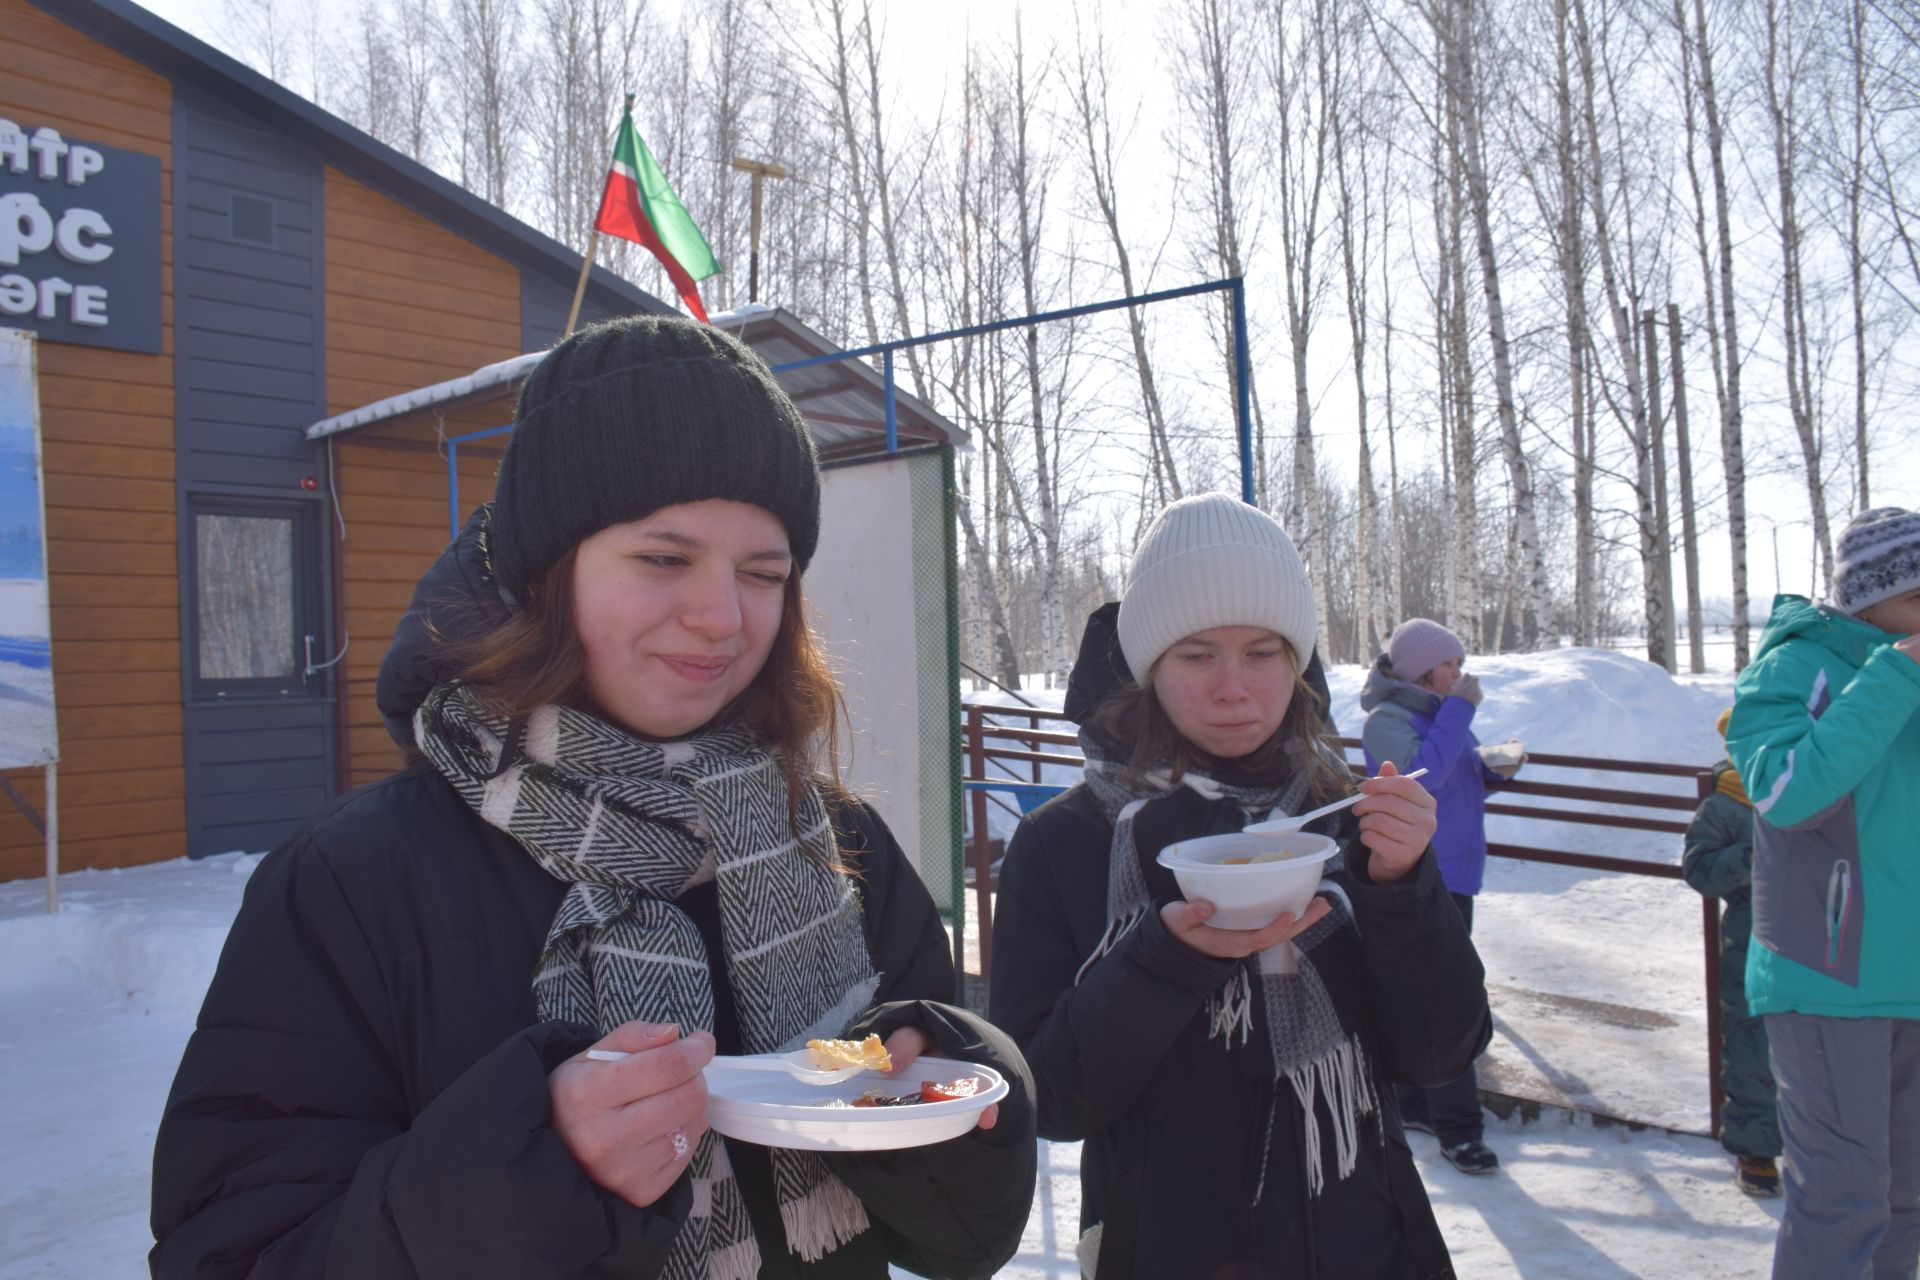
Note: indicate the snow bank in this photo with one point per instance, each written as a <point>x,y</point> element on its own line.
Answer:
<point>152,933</point>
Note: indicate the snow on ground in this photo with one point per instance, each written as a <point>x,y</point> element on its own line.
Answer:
<point>1573,1202</point>
<point>96,1004</point>
<point>1596,982</point>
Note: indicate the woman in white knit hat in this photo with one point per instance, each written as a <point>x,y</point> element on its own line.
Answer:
<point>1237,1112</point>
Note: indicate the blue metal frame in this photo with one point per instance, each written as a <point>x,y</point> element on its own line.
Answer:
<point>1242,368</point>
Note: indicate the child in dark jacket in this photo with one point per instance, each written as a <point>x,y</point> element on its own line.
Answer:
<point>1237,1113</point>
<point>1420,706</point>
<point>1718,863</point>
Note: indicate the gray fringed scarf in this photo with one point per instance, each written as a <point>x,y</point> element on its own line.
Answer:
<point>1311,1050</point>
<point>631,825</point>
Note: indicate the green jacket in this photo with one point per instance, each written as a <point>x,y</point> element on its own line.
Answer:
<point>1717,859</point>
<point>1825,736</point>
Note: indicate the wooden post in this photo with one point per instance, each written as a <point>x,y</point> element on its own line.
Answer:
<point>761,170</point>
<point>53,836</point>
<point>580,289</point>
<point>1710,933</point>
<point>979,850</point>
<point>1689,530</point>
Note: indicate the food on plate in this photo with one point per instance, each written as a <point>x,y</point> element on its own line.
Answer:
<point>951,1091</point>
<point>929,1091</point>
<point>1277,855</point>
<point>832,1055</point>
<point>881,1098</point>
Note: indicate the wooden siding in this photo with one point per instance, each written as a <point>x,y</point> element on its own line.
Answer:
<point>107,423</point>
<point>408,304</point>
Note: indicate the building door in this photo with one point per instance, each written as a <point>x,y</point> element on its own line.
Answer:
<point>259,709</point>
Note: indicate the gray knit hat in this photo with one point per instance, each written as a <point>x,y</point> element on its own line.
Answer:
<point>1418,645</point>
<point>1213,561</point>
<point>645,412</point>
<point>1879,558</point>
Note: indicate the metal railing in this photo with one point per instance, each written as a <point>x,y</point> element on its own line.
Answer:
<point>994,771</point>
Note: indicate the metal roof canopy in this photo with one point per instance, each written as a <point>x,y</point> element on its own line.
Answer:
<point>821,391</point>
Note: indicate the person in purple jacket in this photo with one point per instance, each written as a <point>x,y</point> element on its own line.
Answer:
<point>1420,704</point>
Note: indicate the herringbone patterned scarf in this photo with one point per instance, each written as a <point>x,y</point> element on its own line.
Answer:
<point>632,824</point>
<point>1311,1049</point>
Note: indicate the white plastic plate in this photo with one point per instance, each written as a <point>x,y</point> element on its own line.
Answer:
<point>773,1110</point>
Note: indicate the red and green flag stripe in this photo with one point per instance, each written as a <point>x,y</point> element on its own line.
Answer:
<point>639,204</point>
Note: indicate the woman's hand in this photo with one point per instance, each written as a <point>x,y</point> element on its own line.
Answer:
<point>1397,820</point>
<point>1187,921</point>
<point>905,1046</point>
<point>633,1124</point>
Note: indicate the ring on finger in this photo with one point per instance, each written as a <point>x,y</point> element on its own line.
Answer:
<point>681,1144</point>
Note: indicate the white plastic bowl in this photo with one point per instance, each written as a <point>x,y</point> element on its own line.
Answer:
<point>1249,895</point>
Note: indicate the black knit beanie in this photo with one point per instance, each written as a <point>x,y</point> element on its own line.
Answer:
<point>640,413</point>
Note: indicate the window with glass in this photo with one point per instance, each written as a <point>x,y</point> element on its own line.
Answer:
<point>251,609</point>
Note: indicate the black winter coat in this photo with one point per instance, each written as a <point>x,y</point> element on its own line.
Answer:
<point>1172,1122</point>
<point>366,1093</point>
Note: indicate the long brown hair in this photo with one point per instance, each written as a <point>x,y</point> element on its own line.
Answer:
<point>534,658</point>
<point>1134,716</point>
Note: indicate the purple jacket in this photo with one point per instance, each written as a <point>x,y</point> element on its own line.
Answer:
<point>1418,729</point>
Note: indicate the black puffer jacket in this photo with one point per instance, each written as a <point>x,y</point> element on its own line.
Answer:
<point>365,1095</point>
<point>1173,1122</point>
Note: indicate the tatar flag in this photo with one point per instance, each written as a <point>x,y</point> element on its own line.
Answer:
<point>639,204</point>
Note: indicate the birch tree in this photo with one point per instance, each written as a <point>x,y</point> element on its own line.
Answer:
<point>1783,73</point>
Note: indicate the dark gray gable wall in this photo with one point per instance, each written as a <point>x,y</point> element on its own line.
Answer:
<point>250,375</point>
<point>544,303</point>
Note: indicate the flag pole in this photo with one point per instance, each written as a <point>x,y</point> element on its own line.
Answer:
<point>586,263</point>
<point>580,289</point>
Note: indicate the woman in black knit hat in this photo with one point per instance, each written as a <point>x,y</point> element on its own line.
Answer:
<point>621,832</point>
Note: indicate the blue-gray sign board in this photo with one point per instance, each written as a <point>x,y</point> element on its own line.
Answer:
<point>79,239</point>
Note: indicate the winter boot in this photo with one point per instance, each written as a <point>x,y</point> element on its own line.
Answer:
<point>1471,1156</point>
<point>1757,1176</point>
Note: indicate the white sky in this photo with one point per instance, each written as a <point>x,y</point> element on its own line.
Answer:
<point>933,36</point>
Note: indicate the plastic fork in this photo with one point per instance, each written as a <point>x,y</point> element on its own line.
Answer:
<point>798,1064</point>
<point>1287,826</point>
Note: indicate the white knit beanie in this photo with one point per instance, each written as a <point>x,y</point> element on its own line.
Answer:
<point>1214,561</point>
<point>1879,558</point>
<point>1418,645</point>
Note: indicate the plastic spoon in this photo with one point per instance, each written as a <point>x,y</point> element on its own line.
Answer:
<point>1287,826</point>
<point>798,1064</point>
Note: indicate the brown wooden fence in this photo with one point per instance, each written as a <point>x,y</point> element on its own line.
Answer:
<point>1006,750</point>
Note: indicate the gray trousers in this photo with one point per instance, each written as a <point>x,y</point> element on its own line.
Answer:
<point>1850,1122</point>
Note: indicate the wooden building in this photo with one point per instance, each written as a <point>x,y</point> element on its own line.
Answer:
<point>276,269</point>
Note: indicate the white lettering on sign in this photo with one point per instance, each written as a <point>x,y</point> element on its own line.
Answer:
<point>83,163</point>
<point>44,151</point>
<point>76,223</point>
<point>16,295</point>
<point>13,146</point>
<point>85,304</point>
<point>51,148</point>
<point>26,227</point>
<point>51,290</point>
<point>40,220</point>
<point>90,305</point>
